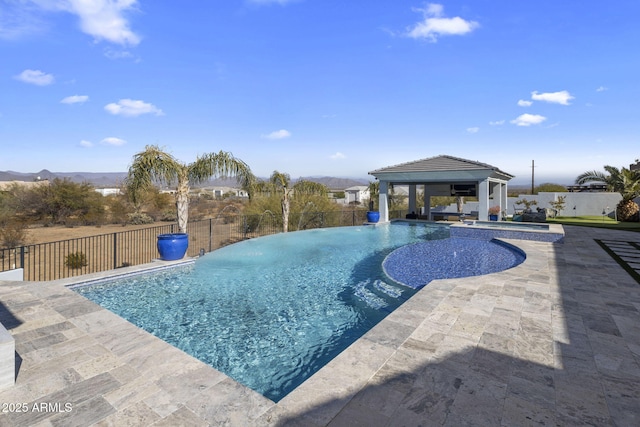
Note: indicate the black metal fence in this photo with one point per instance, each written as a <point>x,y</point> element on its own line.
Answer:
<point>73,257</point>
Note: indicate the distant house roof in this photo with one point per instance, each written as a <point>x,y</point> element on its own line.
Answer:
<point>440,168</point>
<point>357,188</point>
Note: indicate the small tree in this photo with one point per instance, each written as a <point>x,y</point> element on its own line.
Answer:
<point>558,204</point>
<point>527,203</point>
<point>63,201</point>
<point>374,194</point>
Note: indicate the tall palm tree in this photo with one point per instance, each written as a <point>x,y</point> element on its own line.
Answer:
<point>280,183</point>
<point>374,194</point>
<point>623,181</point>
<point>155,165</point>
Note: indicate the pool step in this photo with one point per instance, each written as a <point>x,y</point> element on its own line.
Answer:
<point>388,289</point>
<point>375,294</point>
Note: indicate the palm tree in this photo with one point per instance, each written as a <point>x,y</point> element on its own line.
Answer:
<point>624,181</point>
<point>280,183</point>
<point>153,165</point>
<point>374,193</point>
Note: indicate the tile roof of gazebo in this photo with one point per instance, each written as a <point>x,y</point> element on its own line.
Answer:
<point>441,168</point>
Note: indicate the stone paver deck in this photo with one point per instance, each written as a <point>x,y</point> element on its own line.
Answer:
<point>553,341</point>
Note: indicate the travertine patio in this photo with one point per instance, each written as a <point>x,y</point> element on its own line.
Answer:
<point>554,341</point>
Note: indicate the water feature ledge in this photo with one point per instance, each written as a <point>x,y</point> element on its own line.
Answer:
<point>554,233</point>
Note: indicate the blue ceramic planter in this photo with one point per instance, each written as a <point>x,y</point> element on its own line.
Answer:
<point>172,246</point>
<point>373,216</point>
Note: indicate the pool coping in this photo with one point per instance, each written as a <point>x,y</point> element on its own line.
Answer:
<point>125,372</point>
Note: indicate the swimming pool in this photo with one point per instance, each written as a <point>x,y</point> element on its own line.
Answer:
<point>270,312</point>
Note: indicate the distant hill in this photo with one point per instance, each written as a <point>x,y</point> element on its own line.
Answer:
<point>97,179</point>
<point>114,179</point>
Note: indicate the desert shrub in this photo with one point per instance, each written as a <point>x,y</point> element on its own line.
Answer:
<point>137,218</point>
<point>168,215</point>
<point>63,200</point>
<point>12,235</point>
<point>76,260</point>
<point>118,208</point>
<point>13,231</point>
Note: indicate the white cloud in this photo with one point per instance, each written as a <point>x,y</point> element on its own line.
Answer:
<point>528,120</point>
<point>35,77</point>
<point>278,134</point>
<point>338,156</point>
<point>523,103</point>
<point>563,97</point>
<point>113,141</point>
<point>118,54</point>
<point>473,130</point>
<point>497,123</point>
<point>132,108</point>
<point>602,89</point>
<point>102,19</point>
<point>435,24</point>
<point>85,143</point>
<point>75,99</point>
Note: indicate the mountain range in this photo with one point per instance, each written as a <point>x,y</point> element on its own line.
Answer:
<point>115,179</point>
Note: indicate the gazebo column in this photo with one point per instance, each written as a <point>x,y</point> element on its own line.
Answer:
<point>425,209</point>
<point>483,199</point>
<point>498,191</point>
<point>429,192</point>
<point>383,201</point>
<point>503,198</point>
<point>412,198</point>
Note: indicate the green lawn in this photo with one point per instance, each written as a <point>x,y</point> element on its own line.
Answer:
<point>595,221</point>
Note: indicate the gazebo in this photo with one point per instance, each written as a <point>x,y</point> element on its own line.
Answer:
<point>445,176</point>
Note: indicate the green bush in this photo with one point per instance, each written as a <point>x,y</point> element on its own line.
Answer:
<point>76,260</point>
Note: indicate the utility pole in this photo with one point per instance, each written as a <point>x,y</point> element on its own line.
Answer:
<point>532,174</point>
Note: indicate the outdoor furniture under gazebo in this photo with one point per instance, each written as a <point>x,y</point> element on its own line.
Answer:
<point>444,176</point>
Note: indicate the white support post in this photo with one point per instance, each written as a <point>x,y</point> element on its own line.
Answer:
<point>483,199</point>
<point>383,202</point>
<point>503,199</point>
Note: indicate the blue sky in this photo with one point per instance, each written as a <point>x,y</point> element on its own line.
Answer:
<point>321,87</point>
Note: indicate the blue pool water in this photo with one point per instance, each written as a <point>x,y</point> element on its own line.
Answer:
<point>269,312</point>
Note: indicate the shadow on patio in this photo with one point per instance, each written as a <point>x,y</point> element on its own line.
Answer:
<point>559,345</point>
